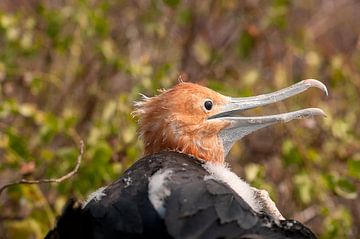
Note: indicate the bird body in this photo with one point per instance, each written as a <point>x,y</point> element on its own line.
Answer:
<point>183,188</point>
<point>197,206</point>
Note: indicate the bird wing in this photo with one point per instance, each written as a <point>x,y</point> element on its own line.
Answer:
<point>197,207</point>
<point>202,207</point>
<point>210,209</point>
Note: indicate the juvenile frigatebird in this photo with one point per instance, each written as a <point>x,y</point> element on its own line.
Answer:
<point>182,187</point>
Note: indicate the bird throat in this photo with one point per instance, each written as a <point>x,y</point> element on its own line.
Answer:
<point>199,144</point>
<point>207,149</point>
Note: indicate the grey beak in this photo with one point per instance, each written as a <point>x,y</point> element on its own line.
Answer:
<point>241,126</point>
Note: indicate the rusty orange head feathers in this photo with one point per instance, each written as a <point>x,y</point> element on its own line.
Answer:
<point>177,120</point>
<point>195,120</point>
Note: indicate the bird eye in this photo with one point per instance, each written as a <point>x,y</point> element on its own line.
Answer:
<point>208,104</point>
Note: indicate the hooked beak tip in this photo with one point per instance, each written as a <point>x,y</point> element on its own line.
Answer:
<point>319,112</point>
<point>317,84</point>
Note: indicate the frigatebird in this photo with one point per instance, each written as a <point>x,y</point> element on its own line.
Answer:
<point>182,187</point>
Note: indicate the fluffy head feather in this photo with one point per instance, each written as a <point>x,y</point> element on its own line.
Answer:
<point>177,120</point>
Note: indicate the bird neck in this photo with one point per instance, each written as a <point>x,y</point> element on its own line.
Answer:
<point>207,149</point>
<point>195,142</point>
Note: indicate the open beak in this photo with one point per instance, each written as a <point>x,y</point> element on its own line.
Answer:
<point>241,126</point>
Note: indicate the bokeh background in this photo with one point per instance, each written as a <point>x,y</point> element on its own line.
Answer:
<point>70,70</point>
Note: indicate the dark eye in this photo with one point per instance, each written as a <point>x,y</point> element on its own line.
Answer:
<point>208,104</point>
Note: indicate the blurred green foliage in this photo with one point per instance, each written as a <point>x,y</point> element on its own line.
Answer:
<point>70,70</point>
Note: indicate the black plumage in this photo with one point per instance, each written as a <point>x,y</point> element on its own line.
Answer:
<point>196,208</point>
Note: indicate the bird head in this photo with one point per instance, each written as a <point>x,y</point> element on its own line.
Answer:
<point>198,121</point>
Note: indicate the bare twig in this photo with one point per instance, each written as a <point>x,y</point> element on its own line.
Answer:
<point>50,180</point>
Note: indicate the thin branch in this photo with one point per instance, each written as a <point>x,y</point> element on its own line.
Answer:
<point>50,180</point>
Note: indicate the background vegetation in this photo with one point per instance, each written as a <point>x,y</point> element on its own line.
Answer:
<point>70,70</point>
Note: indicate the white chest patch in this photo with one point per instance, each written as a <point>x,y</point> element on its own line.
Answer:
<point>97,195</point>
<point>221,172</point>
<point>158,190</point>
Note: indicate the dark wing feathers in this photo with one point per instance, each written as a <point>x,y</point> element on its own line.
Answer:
<point>196,208</point>
<point>215,188</point>
<point>229,209</point>
<point>191,226</point>
<point>72,223</point>
<point>126,210</point>
<point>131,218</point>
<point>192,198</point>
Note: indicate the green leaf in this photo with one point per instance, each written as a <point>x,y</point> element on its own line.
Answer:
<point>252,171</point>
<point>346,188</point>
<point>50,128</point>
<point>184,17</point>
<point>354,167</point>
<point>27,228</point>
<point>109,111</point>
<point>102,153</point>
<point>18,145</point>
<point>245,45</point>
<point>330,181</point>
<point>67,154</point>
<point>172,3</point>
<point>291,154</point>
<point>337,223</point>
<point>304,187</point>
<point>53,26</point>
